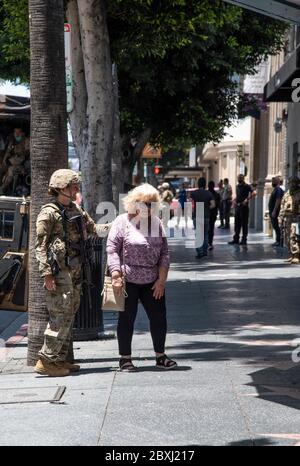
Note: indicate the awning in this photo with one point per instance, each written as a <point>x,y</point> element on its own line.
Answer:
<point>279,88</point>
<point>279,9</point>
<point>14,107</point>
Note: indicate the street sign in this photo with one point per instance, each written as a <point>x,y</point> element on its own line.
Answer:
<point>68,64</point>
<point>151,152</point>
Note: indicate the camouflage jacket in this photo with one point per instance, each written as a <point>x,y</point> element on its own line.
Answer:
<point>290,205</point>
<point>52,233</point>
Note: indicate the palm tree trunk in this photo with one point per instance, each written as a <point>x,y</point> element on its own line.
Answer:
<point>49,145</point>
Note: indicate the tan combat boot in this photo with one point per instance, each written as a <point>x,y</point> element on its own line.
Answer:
<point>49,368</point>
<point>295,260</point>
<point>289,259</point>
<point>68,365</point>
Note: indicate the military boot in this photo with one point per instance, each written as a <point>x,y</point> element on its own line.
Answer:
<point>68,365</point>
<point>44,367</point>
<point>295,259</point>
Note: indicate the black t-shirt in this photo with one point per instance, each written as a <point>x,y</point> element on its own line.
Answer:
<point>277,193</point>
<point>202,195</point>
<point>217,198</point>
<point>242,192</point>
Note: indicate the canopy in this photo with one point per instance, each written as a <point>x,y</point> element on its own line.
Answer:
<point>279,9</point>
<point>14,108</point>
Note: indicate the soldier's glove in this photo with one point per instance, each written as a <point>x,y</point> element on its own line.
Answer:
<point>103,229</point>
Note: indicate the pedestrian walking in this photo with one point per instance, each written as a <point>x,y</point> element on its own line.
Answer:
<point>166,199</point>
<point>182,207</point>
<point>62,227</point>
<point>226,201</point>
<point>244,193</point>
<point>274,208</point>
<point>213,214</point>
<point>206,197</point>
<point>221,211</point>
<point>137,253</point>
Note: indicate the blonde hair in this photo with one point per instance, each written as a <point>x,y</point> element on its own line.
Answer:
<point>143,193</point>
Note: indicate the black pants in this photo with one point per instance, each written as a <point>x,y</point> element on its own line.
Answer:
<point>226,211</point>
<point>156,312</point>
<point>241,220</point>
<point>211,230</point>
<point>221,211</point>
<point>276,228</point>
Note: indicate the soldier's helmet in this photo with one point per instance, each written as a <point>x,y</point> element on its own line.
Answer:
<point>62,178</point>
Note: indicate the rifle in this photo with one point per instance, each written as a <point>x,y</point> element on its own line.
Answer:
<point>53,262</point>
<point>84,256</point>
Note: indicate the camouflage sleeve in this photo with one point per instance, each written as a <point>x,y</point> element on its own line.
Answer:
<point>282,208</point>
<point>98,229</point>
<point>43,232</point>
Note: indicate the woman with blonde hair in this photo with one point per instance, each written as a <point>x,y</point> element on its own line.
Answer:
<point>137,252</point>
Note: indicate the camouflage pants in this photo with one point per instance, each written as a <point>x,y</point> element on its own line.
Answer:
<point>62,306</point>
<point>294,242</point>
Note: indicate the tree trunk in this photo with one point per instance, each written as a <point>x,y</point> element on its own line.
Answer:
<point>131,154</point>
<point>78,116</point>
<point>48,145</point>
<point>92,119</point>
<point>117,173</point>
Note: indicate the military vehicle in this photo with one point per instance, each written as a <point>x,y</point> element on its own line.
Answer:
<point>14,201</point>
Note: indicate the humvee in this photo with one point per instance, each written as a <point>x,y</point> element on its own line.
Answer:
<point>14,206</point>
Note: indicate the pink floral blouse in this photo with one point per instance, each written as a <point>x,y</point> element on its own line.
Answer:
<point>140,255</point>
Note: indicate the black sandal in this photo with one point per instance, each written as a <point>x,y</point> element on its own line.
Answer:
<point>126,365</point>
<point>163,362</point>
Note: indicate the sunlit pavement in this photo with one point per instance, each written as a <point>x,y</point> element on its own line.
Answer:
<point>233,322</point>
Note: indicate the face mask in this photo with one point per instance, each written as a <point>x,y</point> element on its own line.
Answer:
<point>18,138</point>
<point>274,185</point>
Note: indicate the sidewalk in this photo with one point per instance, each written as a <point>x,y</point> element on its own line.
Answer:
<point>232,319</point>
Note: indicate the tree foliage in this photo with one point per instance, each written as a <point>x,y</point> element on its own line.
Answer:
<point>176,59</point>
<point>14,41</point>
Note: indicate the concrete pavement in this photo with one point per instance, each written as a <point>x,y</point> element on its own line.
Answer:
<point>233,319</point>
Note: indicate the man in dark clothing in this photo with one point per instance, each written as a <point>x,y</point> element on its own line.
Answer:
<point>202,195</point>
<point>244,192</point>
<point>274,208</point>
<point>213,214</point>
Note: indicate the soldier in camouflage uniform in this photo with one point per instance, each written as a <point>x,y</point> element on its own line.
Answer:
<point>58,237</point>
<point>14,162</point>
<point>289,216</point>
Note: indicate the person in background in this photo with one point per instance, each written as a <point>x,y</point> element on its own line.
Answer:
<point>221,212</point>
<point>166,201</point>
<point>181,210</point>
<point>274,208</point>
<point>213,214</point>
<point>244,193</point>
<point>289,218</point>
<point>206,197</point>
<point>140,256</point>
<point>226,202</point>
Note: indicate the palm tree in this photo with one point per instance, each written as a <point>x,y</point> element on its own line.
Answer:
<point>48,138</point>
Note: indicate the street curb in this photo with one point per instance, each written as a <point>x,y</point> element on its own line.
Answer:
<point>20,334</point>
